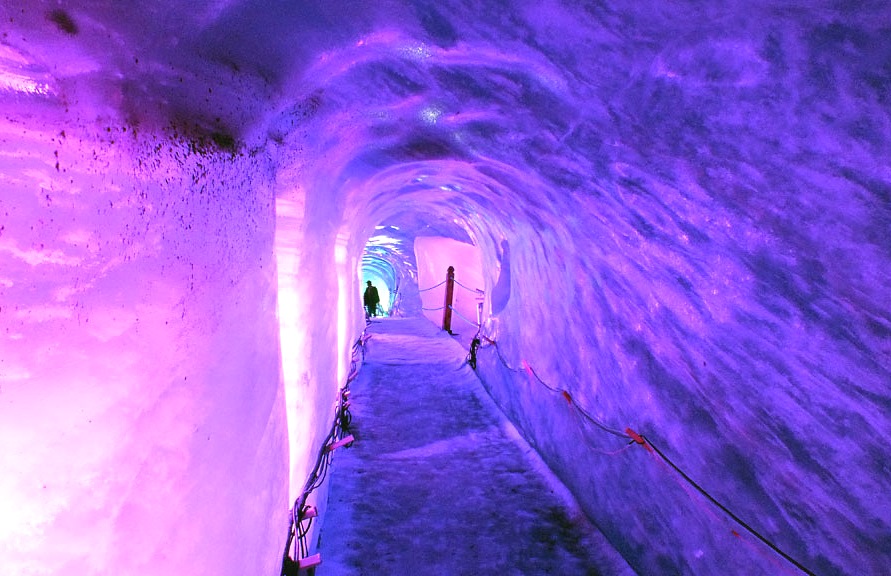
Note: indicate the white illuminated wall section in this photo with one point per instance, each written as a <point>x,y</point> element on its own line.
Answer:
<point>344,304</point>
<point>292,317</point>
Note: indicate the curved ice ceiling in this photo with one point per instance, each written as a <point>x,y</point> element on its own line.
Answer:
<point>683,206</point>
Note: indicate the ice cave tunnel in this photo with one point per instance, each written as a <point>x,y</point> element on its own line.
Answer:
<point>680,212</point>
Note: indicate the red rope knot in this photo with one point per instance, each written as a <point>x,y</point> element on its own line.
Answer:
<point>568,397</point>
<point>638,438</point>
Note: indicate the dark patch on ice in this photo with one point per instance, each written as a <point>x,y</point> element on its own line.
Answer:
<point>773,53</point>
<point>823,565</point>
<point>424,148</point>
<point>381,82</point>
<point>799,450</point>
<point>688,287</point>
<point>63,21</point>
<point>866,130</point>
<point>203,141</point>
<point>778,280</point>
<point>694,234</point>
<point>436,25</point>
<point>882,401</point>
<point>676,397</point>
<point>642,225</point>
<point>309,106</point>
<point>878,328</point>
<point>563,178</point>
<point>224,141</point>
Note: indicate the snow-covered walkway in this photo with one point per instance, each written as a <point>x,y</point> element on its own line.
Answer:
<point>438,482</point>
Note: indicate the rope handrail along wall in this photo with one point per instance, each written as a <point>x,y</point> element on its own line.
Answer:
<point>468,288</point>
<point>432,287</point>
<point>633,438</point>
<point>478,291</point>
<point>463,317</point>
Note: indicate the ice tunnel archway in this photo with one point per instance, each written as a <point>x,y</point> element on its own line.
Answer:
<point>633,252</point>
<point>382,276</point>
<point>682,211</point>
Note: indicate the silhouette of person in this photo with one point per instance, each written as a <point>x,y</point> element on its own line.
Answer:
<point>371,299</point>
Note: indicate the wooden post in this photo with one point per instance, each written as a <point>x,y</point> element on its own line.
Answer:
<point>449,294</point>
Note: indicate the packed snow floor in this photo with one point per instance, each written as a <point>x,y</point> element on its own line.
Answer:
<point>438,482</point>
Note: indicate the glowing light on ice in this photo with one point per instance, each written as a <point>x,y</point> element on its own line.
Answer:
<point>17,83</point>
<point>416,51</point>
<point>344,305</point>
<point>431,114</point>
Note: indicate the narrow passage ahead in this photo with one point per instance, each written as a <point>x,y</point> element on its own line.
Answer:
<point>438,482</point>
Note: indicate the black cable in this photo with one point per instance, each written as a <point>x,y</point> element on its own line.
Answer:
<point>598,423</point>
<point>296,532</point>
<point>692,483</point>
<point>587,416</point>
<point>305,531</point>
<point>726,510</point>
<point>542,382</point>
<point>471,356</point>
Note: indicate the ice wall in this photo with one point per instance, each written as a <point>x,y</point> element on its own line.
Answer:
<point>682,207</point>
<point>684,215</point>
<point>141,419</point>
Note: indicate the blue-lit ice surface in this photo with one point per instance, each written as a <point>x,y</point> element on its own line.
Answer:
<point>684,215</point>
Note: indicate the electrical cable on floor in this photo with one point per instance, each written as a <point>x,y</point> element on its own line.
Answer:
<point>634,438</point>
<point>337,435</point>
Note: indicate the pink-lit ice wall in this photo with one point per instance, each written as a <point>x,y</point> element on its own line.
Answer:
<point>142,423</point>
<point>434,255</point>
<point>682,210</point>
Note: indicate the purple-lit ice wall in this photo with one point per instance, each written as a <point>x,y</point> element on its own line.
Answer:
<point>683,213</point>
<point>686,226</point>
<point>142,423</point>
<point>711,268</point>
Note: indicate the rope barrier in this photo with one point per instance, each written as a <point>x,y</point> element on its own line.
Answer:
<point>302,515</point>
<point>433,309</point>
<point>633,438</point>
<point>463,317</point>
<point>432,287</point>
<point>476,290</point>
<point>726,510</point>
<point>584,413</point>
